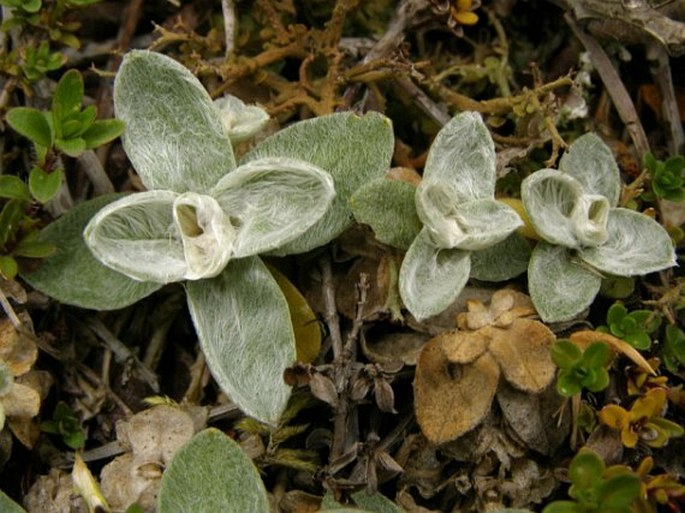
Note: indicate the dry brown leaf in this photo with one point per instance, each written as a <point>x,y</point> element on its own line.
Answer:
<point>297,501</point>
<point>522,352</point>
<point>17,350</point>
<point>463,346</point>
<point>534,419</point>
<point>154,436</point>
<point>452,398</point>
<point>393,347</point>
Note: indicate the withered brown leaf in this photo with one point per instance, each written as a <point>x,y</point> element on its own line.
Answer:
<point>450,397</point>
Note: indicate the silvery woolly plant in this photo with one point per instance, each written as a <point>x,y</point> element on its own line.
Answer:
<point>204,218</point>
<point>584,233</point>
<point>461,219</point>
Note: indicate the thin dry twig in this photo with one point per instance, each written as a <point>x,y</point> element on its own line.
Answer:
<point>614,85</point>
<point>661,71</point>
<point>230,25</point>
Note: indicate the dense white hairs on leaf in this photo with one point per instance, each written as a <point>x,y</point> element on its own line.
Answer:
<point>589,216</point>
<point>210,474</point>
<point>559,287</point>
<point>240,121</point>
<point>502,261</point>
<point>69,274</point>
<point>549,197</point>
<point>174,136</point>
<point>636,245</point>
<point>471,225</point>
<point>243,323</point>
<point>206,233</point>
<point>272,201</point>
<point>137,236</point>
<point>591,162</point>
<point>463,156</point>
<point>353,149</point>
<point>431,278</point>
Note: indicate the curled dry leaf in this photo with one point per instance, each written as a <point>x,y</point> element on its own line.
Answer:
<point>390,348</point>
<point>586,337</point>
<point>153,436</point>
<point>458,372</point>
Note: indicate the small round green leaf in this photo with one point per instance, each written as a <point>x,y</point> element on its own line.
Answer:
<point>586,469</point>
<point>597,355</point>
<point>72,147</point>
<point>43,186</point>
<point>565,354</point>
<point>211,474</point>
<point>618,493</point>
<point>8,267</point>
<point>568,384</point>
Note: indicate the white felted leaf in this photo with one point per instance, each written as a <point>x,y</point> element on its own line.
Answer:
<point>636,245</point>
<point>591,162</point>
<point>272,201</point>
<point>240,121</point>
<point>353,149</point>
<point>463,156</point>
<point>206,233</point>
<point>174,135</point>
<point>387,206</point>
<point>431,278</point>
<point>559,287</point>
<point>72,275</point>
<point>137,236</point>
<point>502,261</point>
<point>549,197</point>
<point>211,474</point>
<point>589,217</point>
<point>243,323</point>
<point>472,225</point>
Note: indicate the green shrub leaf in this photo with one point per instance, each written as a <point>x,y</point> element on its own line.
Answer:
<point>174,136</point>
<point>67,97</point>
<point>431,278</point>
<point>13,187</point>
<point>559,287</point>
<point>387,206</point>
<point>211,474</point>
<point>72,275</point>
<point>243,323</point>
<point>353,149</point>
<point>72,147</point>
<point>102,131</point>
<point>32,124</point>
